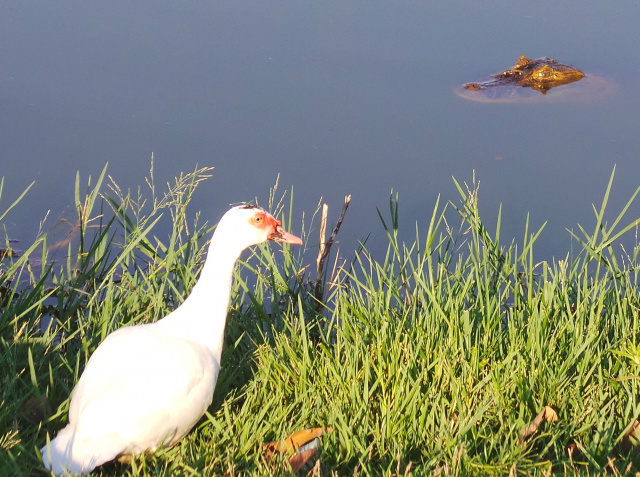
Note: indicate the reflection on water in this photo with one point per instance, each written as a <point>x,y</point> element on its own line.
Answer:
<point>336,97</point>
<point>588,89</point>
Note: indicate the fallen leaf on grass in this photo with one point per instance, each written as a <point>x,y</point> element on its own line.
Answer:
<point>294,441</point>
<point>302,444</point>
<point>573,451</point>
<point>298,460</point>
<point>547,414</point>
<point>631,438</point>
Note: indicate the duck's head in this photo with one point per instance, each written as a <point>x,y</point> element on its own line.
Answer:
<point>251,225</point>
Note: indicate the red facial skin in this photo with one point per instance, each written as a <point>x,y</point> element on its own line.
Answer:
<point>273,227</point>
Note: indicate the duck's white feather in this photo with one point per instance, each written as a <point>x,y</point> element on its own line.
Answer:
<point>146,386</point>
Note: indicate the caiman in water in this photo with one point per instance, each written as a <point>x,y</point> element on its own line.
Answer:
<point>532,80</point>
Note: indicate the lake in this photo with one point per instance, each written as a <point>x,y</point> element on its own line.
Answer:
<point>337,97</point>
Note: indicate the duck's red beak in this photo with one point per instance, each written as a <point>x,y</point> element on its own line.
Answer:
<point>281,235</point>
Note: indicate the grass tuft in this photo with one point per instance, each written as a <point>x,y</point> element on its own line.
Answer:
<point>433,359</point>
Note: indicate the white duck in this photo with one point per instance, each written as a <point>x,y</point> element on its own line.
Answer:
<point>146,386</point>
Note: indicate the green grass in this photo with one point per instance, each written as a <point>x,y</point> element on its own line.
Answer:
<point>429,360</point>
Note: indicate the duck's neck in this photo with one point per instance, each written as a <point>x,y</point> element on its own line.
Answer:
<point>203,315</point>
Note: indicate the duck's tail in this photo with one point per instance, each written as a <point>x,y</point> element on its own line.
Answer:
<point>64,455</point>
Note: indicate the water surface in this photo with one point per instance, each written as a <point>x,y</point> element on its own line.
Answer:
<point>337,97</point>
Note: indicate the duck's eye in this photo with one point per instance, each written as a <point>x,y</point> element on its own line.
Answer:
<point>258,219</point>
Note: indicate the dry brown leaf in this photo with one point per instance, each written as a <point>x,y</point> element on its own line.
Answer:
<point>631,438</point>
<point>292,443</point>
<point>550,415</point>
<point>634,431</point>
<point>297,461</point>
<point>572,451</point>
<point>547,414</point>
